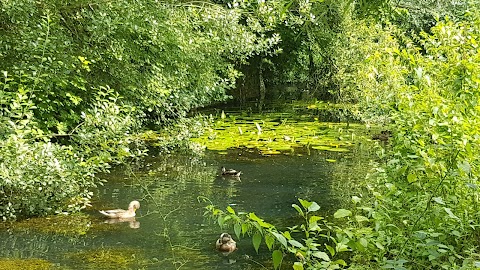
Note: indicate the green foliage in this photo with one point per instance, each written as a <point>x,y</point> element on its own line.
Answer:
<point>424,198</point>
<point>312,241</point>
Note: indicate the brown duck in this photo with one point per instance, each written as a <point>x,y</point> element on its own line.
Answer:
<point>226,244</point>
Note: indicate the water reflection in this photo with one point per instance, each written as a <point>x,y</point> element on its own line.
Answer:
<point>132,223</point>
<point>173,232</point>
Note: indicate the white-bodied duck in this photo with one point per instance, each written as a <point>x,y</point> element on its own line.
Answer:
<point>120,213</point>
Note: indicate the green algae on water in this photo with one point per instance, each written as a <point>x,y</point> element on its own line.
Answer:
<point>109,258</point>
<point>72,225</point>
<point>273,134</point>
<point>25,264</point>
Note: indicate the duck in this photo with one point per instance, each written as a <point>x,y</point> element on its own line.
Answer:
<point>383,136</point>
<point>231,172</point>
<point>226,244</point>
<point>120,213</point>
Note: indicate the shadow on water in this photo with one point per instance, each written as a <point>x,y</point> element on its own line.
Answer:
<point>170,231</point>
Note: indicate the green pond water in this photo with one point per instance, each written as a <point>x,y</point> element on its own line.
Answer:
<point>171,231</point>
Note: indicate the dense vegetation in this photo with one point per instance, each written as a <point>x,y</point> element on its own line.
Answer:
<point>81,78</point>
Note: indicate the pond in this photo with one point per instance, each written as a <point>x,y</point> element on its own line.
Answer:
<point>171,231</point>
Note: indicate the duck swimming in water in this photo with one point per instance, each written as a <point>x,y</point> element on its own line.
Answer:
<point>231,172</point>
<point>226,244</point>
<point>120,213</point>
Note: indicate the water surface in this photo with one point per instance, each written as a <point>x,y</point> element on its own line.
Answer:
<point>170,231</point>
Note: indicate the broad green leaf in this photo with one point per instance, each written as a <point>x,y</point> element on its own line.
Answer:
<point>237,229</point>
<point>360,218</point>
<point>230,210</point>
<point>363,242</point>
<point>281,239</point>
<point>331,250</point>
<point>313,207</point>
<point>298,266</point>
<point>342,213</point>
<point>295,243</point>
<point>340,262</point>
<point>305,203</point>
<point>411,177</point>
<point>245,228</point>
<point>321,255</point>
<point>257,239</point>
<point>269,241</point>
<point>277,257</point>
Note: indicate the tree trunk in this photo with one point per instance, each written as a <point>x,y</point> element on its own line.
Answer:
<point>262,89</point>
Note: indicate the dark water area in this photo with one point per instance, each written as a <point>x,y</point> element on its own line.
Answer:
<point>171,231</point>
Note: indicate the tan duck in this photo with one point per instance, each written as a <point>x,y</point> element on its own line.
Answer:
<point>231,172</point>
<point>120,213</point>
<point>226,244</point>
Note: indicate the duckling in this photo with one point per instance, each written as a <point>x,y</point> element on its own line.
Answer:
<point>226,244</point>
<point>120,213</point>
<point>231,172</point>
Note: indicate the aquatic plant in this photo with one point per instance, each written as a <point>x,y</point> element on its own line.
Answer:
<point>25,264</point>
<point>277,133</point>
<point>313,241</point>
<point>109,258</point>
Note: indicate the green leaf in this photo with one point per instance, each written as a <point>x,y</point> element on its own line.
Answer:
<point>439,200</point>
<point>257,239</point>
<point>299,210</point>
<point>321,255</point>
<point>411,177</point>
<point>313,207</point>
<point>330,249</point>
<point>245,228</point>
<point>280,239</point>
<point>361,218</point>
<point>269,241</point>
<point>450,213</point>
<point>230,210</point>
<point>295,243</point>
<point>341,262</point>
<point>277,257</point>
<point>363,242</point>
<point>297,266</point>
<point>305,203</point>
<point>237,229</point>
<point>342,213</point>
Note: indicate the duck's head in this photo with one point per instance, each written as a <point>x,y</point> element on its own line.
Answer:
<point>134,205</point>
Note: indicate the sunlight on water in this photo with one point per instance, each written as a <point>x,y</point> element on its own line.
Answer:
<point>170,231</point>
